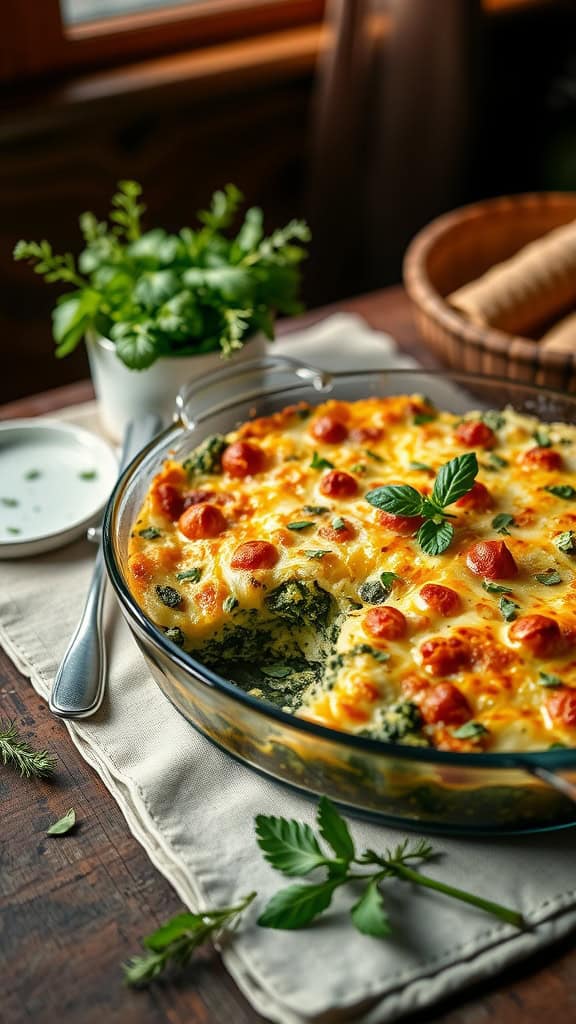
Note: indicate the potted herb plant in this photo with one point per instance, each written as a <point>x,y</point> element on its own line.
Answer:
<point>157,309</point>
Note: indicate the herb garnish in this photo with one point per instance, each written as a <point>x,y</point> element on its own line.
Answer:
<point>565,491</point>
<point>315,510</point>
<point>63,825</point>
<point>175,941</point>
<point>338,523</point>
<point>317,553</point>
<point>301,524</point>
<point>493,419</point>
<point>496,462</point>
<point>566,542</point>
<point>32,474</point>
<point>470,730</point>
<point>149,533</point>
<point>388,579</point>
<point>189,575</point>
<point>88,474</point>
<point>495,588</point>
<point>230,603</point>
<point>18,752</point>
<point>423,417</point>
<point>549,578</point>
<point>360,468</point>
<point>509,609</point>
<point>373,455</point>
<point>501,522</point>
<point>549,680</point>
<point>170,597</point>
<point>9,502</point>
<point>454,479</point>
<point>420,465</point>
<point>542,438</point>
<point>320,463</point>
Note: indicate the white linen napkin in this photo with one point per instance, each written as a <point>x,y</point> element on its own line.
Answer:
<point>192,808</point>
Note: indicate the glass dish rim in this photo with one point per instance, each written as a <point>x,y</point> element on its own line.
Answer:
<point>520,760</point>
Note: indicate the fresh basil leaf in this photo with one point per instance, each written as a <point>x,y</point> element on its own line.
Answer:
<point>434,538</point>
<point>542,438</point>
<point>388,579</point>
<point>549,578</point>
<point>454,479</point>
<point>298,905</point>
<point>509,609</point>
<point>301,524</point>
<point>399,499</point>
<point>369,915</point>
<point>230,603</point>
<point>565,491</point>
<point>175,928</point>
<point>338,523</point>
<point>495,588</point>
<point>320,463</point>
<point>549,680</point>
<point>150,533</point>
<point>566,542</point>
<point>373,455</point>
<point>420,465</point>
<point>316,553</point>
<point>423,417</point>
<point>190,575</point>
<point>493,419</point>
<point>334,830</point>
<point>63,825</point>
<point>502,521</point>
<point>289,846</point>
<point>470,730</point>
<point>276,671</point>
<point>170,597</point>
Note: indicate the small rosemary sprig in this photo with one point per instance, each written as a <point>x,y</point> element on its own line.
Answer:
<point>175,942</point>
<point>18,752</point>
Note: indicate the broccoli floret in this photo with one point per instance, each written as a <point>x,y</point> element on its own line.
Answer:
<point>300,603</point>
<point>206,457</point>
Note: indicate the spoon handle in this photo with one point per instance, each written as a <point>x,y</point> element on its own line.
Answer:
<point>80,682</point>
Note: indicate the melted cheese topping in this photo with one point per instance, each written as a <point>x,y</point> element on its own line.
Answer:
<point>299,629</point>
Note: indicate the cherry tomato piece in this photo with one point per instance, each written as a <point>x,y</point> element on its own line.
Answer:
<point>329,429</point>
<point>477,498</point>
<point>337,484</point>
<point>538,633</point>
<point>170,500</point>
<point>362,434</point>
<point>338,535</point>
<point>542,458</point>
<point>443,656</point>
<point>242,459</point>
<point>385,623</point>
<point>404,526</point>
<point>562,706</point>
<point>201,521</point>
<point>492,559</point>
<point>441,599</point>
<point>255,554</point>
<point>475,434</point>
<point>445,703</point>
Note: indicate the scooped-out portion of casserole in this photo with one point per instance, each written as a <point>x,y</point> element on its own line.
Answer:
<point>380,567</point>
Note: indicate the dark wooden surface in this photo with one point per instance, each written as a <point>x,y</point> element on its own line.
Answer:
<point>72,910</point>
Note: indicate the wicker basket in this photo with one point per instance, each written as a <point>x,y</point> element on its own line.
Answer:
<point>460,246</point>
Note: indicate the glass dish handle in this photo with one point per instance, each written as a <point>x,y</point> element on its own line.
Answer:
<point>242,381</point>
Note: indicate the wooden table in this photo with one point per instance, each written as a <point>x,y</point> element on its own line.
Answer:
<point>71,912</point>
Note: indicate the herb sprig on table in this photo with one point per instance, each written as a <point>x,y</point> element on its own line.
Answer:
<point>17,752</point>
<point>296,850</point>
<point>454,479</point>
<point>154,293</point>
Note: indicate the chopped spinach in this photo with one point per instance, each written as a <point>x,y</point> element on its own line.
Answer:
<point>300,603</point>
<point>206,458</point>
<point>149,533</point>
<point>170,597</point>
<point>175,634</point>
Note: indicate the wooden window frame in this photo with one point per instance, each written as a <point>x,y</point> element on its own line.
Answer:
<point>36,42</point>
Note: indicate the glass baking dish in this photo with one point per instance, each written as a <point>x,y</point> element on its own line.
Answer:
<point>410,787</point>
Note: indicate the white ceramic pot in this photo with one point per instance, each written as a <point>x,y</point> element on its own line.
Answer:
<point>123,393</point>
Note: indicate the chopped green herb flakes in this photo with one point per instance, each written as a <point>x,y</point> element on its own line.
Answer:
<point>170,597</point>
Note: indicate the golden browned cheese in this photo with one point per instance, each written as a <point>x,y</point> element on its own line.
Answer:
<point>262,556</point>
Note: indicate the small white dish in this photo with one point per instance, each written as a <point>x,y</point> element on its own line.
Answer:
<point>55,478</point>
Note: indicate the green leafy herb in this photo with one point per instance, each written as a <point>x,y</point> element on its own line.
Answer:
<point>294,849</point>
<point>206,458</point>
<point>360,468</point>
<point>373,455</point>
<point>316,553</point>
<point>63,825</point>
<point>315,510</point>
<point>150,533</point>
<point>542,438</point>
<point>190,575</point>
<point>338,523</point>
<point>549,680</point>
<point>388,579</point>
<point>470,730</point>
<point>509,609</point>
<point>495,588</point>
<point>423,417</point>
<point>454,479</point>
<point>230,603</point>
<point>319,463</point>
<point>565,491</point>
<point>566,542</point>
<point>496,462</point>
<point>170,597</point>
<point>420,465</point>
<point>301,524</point>
<point>549,578</point>
<point>17,752</point>
<point>175,942</point>
<point>88,474</point>
<point>493,419</point>
<point>32,474</point>
<point>204,289</point>
<point>175,634</point>
<point>501,522</point>
<point>9,502</point>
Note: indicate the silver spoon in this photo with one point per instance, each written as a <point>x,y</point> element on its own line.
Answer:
<point>80,682</point>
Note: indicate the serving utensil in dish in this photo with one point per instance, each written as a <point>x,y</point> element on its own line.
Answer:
<point>411,787</point>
